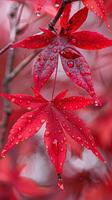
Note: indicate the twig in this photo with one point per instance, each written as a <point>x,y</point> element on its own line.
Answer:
<point>11,73</point>
<point>7,80</point>
<point>5,48</point>
<point>56,18</point>
<point>11,53</point>
<point>59,13</point>
<point>14,21</point>
<point>19,15</point>
<point>21,66</point>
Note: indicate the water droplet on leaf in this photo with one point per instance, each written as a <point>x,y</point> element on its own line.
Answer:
<point>57,5</point>
<point>38,13</point>
<point>70,64</point>
<point>29,108</point>
<point>13,99</point>
<point>51,58</point>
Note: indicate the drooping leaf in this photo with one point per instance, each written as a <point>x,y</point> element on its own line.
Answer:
<point>78,70</point>
<point>44,65</point>
<point>55,141</point>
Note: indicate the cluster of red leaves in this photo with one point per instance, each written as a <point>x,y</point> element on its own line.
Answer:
<point>15,184</point>
<point>98,7</point>
<point>87,185</point>
<point>63,44</point>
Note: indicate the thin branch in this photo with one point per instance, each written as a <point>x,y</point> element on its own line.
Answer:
<point>20,13</point>
<point>56,18</point>
<point>14,19</point>
<point>21,66</point>
<point>5,48</point>
<point>59,13</point>
<point>7,80</point>
<point>11,54</point>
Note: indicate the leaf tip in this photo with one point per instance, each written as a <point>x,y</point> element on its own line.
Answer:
<point>60,182</point>
<point>3,153</point>
<point>98,102</point>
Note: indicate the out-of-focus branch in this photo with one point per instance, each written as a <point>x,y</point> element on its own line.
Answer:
<point>7,80</point>
<point>21,66</point>
<point>14,21</point>
<point>10,73</point>
<point>20,30</point>
<point>5,48</point>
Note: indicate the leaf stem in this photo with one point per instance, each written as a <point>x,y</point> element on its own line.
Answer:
<point>56,18</point>
<point>20,66</point>
<point>59,13</point>
<point>54,85</point>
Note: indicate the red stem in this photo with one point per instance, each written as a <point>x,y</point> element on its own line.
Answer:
<point>54,85</point>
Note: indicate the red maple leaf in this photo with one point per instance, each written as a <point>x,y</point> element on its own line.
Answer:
<point>98,7</point>
<point>63,44</point>
<point>60,121</point>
